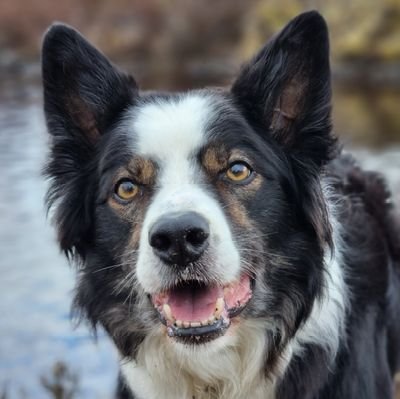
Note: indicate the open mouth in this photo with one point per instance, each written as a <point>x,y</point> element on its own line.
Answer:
<point>196,313</point>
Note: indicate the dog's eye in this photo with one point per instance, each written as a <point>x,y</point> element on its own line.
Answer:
<point>126,189</point>
<point>238,172</point>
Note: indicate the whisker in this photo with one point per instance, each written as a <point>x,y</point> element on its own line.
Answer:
<point>117,265</point>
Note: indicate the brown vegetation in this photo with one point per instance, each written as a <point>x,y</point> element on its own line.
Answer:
<point>60,383</point>
<point>173,31</point>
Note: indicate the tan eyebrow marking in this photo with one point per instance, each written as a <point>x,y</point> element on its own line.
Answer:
<point>215,159</point>
<point>143,170</point>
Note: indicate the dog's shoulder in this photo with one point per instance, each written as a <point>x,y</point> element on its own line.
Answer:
<point>369,246</point>
<point>365,202</point>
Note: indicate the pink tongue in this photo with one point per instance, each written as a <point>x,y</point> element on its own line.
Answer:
<point>193,303</point>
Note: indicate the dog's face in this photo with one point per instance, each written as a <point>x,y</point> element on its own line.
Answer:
<point>192,212</point>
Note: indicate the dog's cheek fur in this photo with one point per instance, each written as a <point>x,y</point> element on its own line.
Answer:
<point>269,223</point>
<point>292,259</point>
<point>107,292</point>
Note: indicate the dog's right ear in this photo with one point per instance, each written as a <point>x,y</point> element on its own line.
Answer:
<point>83,91</point>
<point>285,93</point>
<point>83,95</point>
<point>285,90</point>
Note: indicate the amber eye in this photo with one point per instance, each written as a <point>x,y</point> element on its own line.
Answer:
<point>238,172</point>
<point>126,189</point>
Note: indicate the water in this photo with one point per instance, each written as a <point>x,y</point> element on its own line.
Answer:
<point>36,282</point>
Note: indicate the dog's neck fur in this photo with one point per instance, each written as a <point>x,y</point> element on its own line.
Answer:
<point>229,369</point>
<point>233,366</point>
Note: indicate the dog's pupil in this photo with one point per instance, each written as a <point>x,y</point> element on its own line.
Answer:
<point>127,187</point>
<point>238,170</point>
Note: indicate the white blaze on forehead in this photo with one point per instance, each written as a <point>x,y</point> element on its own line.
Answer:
<point>171,132</point>
<point>172,128</point>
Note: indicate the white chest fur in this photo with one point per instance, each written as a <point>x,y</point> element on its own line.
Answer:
<point>229,368</point>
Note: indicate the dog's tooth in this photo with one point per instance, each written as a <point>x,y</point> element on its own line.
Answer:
<point>179,323</point>
<point>195,324</point>
<point>219,307</point>
<point>211,320</point>
<point>186,324</point>
<point>204,322</point>
<point>228,289</point>
<point>168,312</point>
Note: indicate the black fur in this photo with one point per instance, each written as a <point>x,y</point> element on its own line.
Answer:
<point>90,95</point>
<point>278,112</point>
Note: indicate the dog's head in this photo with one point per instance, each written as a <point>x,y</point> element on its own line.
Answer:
<point>192,212</point>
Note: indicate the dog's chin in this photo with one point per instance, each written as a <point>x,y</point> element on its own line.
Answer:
<point>196,313</point>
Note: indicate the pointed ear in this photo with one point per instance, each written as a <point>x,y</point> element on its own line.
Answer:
<point>83,95</point>
<point>83,92</point>
<point>286,92</point>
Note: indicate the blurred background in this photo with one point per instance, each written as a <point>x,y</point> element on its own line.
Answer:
<point>165,44</point>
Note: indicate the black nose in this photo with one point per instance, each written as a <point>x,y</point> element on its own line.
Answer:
<point>179,238</point>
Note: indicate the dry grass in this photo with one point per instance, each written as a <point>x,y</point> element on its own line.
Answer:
<point>181,28</point>
<point>60,383</point>
<point>175,44</point>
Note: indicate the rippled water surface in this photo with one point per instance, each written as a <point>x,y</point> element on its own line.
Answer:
<point>36,282</point>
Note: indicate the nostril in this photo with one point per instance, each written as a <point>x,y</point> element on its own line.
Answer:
<point>160,241</point>
<point>196,237</point>
<point>179,238</point>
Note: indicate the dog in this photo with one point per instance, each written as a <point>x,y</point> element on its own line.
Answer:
<point>226,243</point>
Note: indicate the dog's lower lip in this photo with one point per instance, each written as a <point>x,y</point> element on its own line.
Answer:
<point>192,309</point>
<point>197,333</point>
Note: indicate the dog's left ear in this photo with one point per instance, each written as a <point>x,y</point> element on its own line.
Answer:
<point>84,95</point>
<point>285,91</point>
<point>83,91</point>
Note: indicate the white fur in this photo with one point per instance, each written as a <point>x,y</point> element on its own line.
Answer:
<point>228,368</point>
<point>171,133</point>
<point>326,325</point>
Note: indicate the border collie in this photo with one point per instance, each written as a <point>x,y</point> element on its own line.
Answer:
<point>224,242</point>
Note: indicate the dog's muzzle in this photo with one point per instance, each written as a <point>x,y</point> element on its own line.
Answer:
<point>193,311</point>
